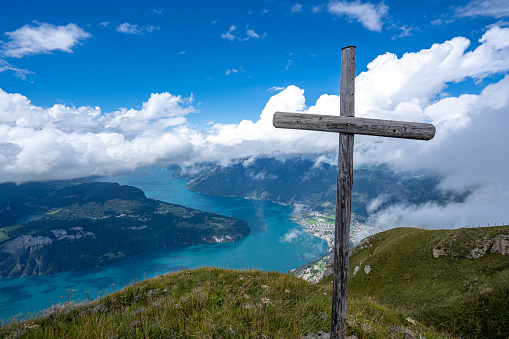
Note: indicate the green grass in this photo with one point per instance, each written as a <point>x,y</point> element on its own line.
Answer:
<point>53,211</point>
<point>453,292</point>
<point>4,234</point>
<point>216,303</point>
<point>311,221</point>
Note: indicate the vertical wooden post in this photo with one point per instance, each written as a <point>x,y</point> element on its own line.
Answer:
<point>343,197</point>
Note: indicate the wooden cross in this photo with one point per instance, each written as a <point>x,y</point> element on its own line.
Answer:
<point>347,125</point>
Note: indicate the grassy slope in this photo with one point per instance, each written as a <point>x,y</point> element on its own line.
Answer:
<point>452,292</point>
<point>216,303</point>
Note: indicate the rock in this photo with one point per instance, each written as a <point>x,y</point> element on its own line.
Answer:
<point>500,244</point>
<point>21,243</point>
<point>411,321</point>
<point>319,334</point>
<point>324,335</point>
<point>438,253</point>
<point>327,271</point>
<point>367,269</point>
<point>364,243</point>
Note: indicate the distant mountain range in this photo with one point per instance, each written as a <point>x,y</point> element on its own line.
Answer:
<point>81,225</point>
<point>306,182</point>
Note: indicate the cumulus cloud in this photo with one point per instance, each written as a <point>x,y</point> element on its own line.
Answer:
<point>367,14</point>
<point>43,38</point>
<point>128,28</point>
<point>63,142</point>
<point>490,8</point>
<point>468,150</point>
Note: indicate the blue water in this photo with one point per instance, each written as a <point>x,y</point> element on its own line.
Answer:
<point>28,218</point>
<point>275,244</point>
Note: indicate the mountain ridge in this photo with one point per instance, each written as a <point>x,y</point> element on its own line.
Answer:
<point>313,183</point>
<point>454,280</point>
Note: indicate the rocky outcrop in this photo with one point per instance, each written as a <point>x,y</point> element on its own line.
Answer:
<point>500,244</point>
<point>24,242</point>
<point>477,248</point>
<point>61,234</point>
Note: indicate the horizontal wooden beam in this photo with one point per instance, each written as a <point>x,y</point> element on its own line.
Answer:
<point>353,125</point>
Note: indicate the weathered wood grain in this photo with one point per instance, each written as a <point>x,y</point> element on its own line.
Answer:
<point>353,125</point>
<point>343,198</point>
<point>347,126</point>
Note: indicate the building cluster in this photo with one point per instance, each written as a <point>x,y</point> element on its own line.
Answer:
<point>324,228</point>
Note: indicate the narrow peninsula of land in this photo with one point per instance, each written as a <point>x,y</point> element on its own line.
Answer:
<point>91,224</point>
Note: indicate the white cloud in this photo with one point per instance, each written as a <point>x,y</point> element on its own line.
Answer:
<point>20,73</point>
<point>63,142</point>
<point>252,34</point>
<point>289,64</point>
<point>275,89</point>
<point>405,31</point>
<point>369,15</point>
<point>490,8</point>
<point>228,35</point>
<point>43,38</point>
<point>128,28</point>
<point>469,149</point>
<point>317,9</point>
<point>296,8</point>
<point>232,70</point>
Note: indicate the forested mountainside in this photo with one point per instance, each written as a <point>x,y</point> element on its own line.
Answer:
<point>305,182</point>
<point>93,224</point>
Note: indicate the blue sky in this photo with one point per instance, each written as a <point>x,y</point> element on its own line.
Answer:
<point>96,88</point>
<point>182,48</point>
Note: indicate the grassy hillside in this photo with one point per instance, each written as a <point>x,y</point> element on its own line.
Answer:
<point>216,303</point>
<point>456,280</point>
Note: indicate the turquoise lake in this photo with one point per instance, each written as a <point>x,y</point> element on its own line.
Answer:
<point>275,244</point>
